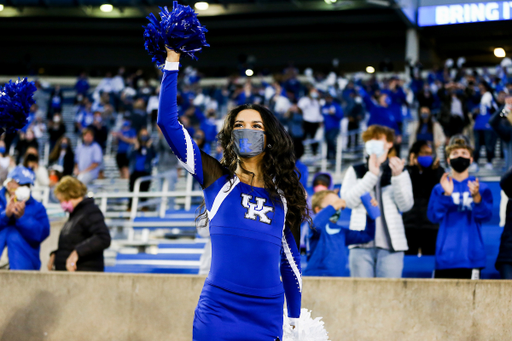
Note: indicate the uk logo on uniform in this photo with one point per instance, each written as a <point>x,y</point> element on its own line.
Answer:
<point>257,209</point>
<point>245,146</point>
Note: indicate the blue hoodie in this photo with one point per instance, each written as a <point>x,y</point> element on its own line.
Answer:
<point>459,241</point>
<point>378,114</point>
<point>398,98</point>
<point>328,244</point>
<point>23,236</point>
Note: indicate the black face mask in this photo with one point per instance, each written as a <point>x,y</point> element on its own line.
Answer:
<point>460,164</point>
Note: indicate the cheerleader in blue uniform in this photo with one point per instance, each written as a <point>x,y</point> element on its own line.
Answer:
<point>255,205</point>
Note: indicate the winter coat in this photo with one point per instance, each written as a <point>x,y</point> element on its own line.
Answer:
<point>86,232</point>
<point>397,197</point>
<point>23,236</point>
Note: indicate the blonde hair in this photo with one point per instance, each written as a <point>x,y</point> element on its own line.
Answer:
<point>318,197</point>
<point>70,188</point>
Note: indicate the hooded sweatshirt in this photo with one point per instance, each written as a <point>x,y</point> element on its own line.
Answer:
<point>459,242</point>
<point>328,244</point>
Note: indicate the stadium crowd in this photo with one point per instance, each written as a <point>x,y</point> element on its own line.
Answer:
<point>449,113</point>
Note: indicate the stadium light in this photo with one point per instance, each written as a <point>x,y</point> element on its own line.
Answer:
<point>1,7</point>
<point>330,1</point>
<point>201,6</point>
<point>249,73</point>
<point>107,8</point>
<point>370,69</point>
<point>500,52</point>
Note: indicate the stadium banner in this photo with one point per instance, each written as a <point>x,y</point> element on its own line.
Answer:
<point>464,13</point>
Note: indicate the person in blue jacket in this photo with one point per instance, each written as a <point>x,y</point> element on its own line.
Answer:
<point>24,223</point>
<point>255,205</point>
<point>380,113</point>
<point>328,254</point>
<point>333,114</point>
<point>397,99</point>
<point>459,204</point>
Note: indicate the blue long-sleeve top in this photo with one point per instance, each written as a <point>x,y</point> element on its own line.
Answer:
<point>378,114</point>
<point>459,241</point>
<point>328,244</point>
<point>332,121</point>
<point>398,98</point>
<point>23,236</point>
<point>248,230</point>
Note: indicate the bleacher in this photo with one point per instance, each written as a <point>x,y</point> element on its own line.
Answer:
<point>147,241</point>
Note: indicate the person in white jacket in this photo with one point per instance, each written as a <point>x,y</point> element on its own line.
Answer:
<point>383,176</point>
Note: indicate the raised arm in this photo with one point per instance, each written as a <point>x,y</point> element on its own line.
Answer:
<point>203,168</point>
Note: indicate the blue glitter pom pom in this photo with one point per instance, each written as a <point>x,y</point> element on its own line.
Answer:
<point>179,30</point>
<point>16,98</point>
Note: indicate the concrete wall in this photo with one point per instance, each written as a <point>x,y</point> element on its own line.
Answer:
<point>61,306</point>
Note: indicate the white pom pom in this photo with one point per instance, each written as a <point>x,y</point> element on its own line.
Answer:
<point>461,61</point>
<point>449,63</point>
<point>306,328</point>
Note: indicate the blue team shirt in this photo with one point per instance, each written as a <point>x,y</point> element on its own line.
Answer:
<point>124,147</point>
<point>86,155</point>
<point>332,121</point>
<point>328,253</point>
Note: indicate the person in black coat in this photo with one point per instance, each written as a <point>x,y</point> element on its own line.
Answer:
<point>425,173</point>
<point>63,155</point>
<point>56,129</point>
<point>84,236</point>
<point>504,260</point>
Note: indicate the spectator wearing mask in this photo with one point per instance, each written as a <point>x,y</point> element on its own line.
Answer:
<point>484,135</point>
<point>384,177</point>
<point>328,241</point>
<point>200,140</point>
<point>311,114</point>
<point>88,158</point>
<point>31,161</point>
<point>460,204</point>
<point>39,127</point>
<point>279,103</point>
<point>425,173</point>
<point>504,260</point>
<point>453,116</point>
<point>99,130</point>
<point>56,129</point>
<point>426,129</point>
<point>126,138</point>
<point>26,141</point>
<point>501,122</point>
<point>333,114</point>
<point>24,224</point>
<point>84,236</point>
<point>62,155</point>
<point>141,161</point>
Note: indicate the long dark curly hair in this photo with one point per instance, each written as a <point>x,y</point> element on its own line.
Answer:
<point>278,165</point>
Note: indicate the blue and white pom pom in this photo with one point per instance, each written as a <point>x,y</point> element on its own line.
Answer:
<point>179,30</point>
<point>306,329</point>
<point>16,98</point>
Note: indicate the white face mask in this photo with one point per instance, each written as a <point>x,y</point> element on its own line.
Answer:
<point>22,193</point>
<point>374,147</point>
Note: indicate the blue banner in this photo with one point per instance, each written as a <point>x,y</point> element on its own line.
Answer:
<point>464,13</point>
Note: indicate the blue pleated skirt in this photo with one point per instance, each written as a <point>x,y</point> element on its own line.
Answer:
<point>222,315</point>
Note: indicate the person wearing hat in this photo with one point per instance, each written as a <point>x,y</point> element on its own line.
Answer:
<point>459,204</point>
<point>24,223</point>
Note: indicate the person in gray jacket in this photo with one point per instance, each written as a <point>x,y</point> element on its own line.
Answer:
<point>384,177</point>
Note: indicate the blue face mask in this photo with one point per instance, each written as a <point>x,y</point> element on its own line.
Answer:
<point>388,101</point>
<point>144,138</point>
<point>126,123</point>
<point>374,147</point>
<point>64,145</point>
<point>425,161</point>
<point>2,150</point>
<point>248,142</point>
